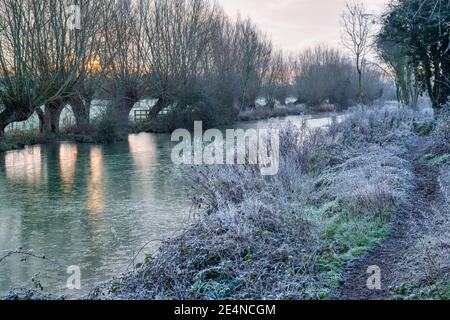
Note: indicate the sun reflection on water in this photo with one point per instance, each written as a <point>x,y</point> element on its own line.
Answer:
<point>96,200</point>
<point>68,155</point>
<point>26,165</point>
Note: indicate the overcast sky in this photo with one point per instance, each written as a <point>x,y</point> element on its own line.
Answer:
<point>297,24</point>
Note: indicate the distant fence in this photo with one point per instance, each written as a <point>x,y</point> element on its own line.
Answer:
<point>141,115</point>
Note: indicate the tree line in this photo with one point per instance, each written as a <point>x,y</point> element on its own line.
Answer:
<point>186,55</point>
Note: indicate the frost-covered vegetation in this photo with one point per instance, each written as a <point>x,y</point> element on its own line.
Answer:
<point>428,261</point>
<point>266,113</point>
<point>287,236</point>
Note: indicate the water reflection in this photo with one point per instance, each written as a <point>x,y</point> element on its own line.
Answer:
<point>26,166</point>
<point>148,175</point>
<point>96,200</point>
<point>143,150</point>
<point>68,155</point>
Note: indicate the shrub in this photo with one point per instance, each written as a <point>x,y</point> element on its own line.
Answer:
<point>376,126</point>
<point>212,108</point>
<point>106,128</point>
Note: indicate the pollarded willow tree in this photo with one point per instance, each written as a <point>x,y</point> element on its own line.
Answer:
<point>277,80</point>
<point>65,51</point>
<point>322,73</point>
<point>121,57</point>
<point>176,39</point>
<point>39,59</point>
<point>192,55</point>
<point>325,75</point>
<point>253,61</point>
<point>91,69</point>
<point>221,83</point>
<point>24,30</point>
<point>18,96</point>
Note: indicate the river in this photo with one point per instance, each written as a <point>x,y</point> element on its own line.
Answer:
<point>91,206</point>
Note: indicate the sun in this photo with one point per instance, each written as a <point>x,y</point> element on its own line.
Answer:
<point>94,65</point>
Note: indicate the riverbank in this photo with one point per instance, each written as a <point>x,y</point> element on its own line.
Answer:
<point>338,195</point>
<point>30,139</point>
<point>105,130</point>
<point>20,139</point>
<point>263,113</point>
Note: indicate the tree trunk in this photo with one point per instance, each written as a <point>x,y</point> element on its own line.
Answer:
<point>4,121</point>
<point>437,85</point>
<point>49,118</point>
<point>2,131</point>
<point>415,92</point>
<point>299,100</point>
<point>125,99</point>
<point>428,82</point>
<point>12,114</point>
<point>123,114</point>
<point>360,86</point>
<point>398,93</point>
<point>41,117</point>
<point>122,109</point>
<point>160,105</point>
<point>282,100</point>
<point>81,110</point>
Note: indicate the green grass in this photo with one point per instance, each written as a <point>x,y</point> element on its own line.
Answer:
<point>347,236</point>
<point>105,132</point>
<point>351,239</point>
<point>436,160</point>
<point>8,145</point>
<point>21,139</point>
<point>425,129</point>
<point>436,291</point>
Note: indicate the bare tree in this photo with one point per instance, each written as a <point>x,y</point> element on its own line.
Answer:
<point>17,88</point>
<point>37,59</point>
<point>121,57</point>
<point>356,22</point>
<point>176,38</point>
<point>324,75</point>
<point>253,61</point>
<point>63,51</point>
<point>92,70</point>
<point>276,80</point>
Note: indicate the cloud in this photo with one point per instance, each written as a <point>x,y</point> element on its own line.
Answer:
<point>297,24</point>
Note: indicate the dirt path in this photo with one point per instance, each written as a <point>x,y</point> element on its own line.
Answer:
<point>405,228</point>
